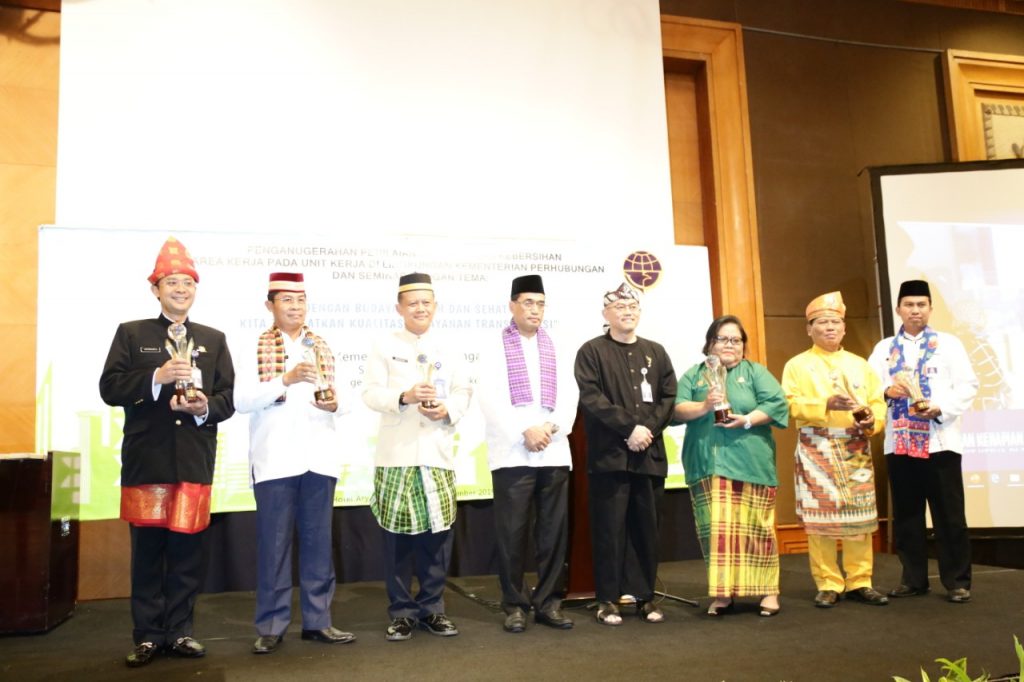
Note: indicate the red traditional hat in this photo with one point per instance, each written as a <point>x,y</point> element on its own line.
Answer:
<point>173,260</point>
<point>287,281</point>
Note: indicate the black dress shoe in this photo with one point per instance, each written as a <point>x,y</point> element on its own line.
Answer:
<point>907,591</point>
<point>868,595</point>
<point>959,595</point>
<point>142,654</point>
<point>826,599</point>
<point>329,635</point>
<point>187,647</point>
<point>400,629</point>
<point>439,624</point>
<point>266,644</point>
<point>515,621</point>
<point>553,618</point>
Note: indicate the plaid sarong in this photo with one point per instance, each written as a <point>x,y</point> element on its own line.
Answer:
<point>413,500</point>
<point>835,482</point>
<point>736,529</point>
<point>270,357</point>
<point>519,379</point>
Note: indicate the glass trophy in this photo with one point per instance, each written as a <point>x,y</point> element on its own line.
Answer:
<point>841,385</point>
<point>427,373</point>
<point>323,392</point>
<point>910,380</point>
<point>715,375</point>
<point>180,348</point>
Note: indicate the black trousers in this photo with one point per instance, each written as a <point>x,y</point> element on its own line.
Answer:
<point>937,482</point>
<point>624,533</point>
<point>516,491</point>
<point>166,576</point>
<point>425,554</point>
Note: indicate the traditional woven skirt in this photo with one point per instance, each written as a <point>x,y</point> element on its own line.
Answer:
<point>181,507</point>
<point>736,530</point>
<point>835,482</point>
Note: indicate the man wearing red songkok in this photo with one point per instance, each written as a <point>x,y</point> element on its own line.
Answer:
<point>174,393</point>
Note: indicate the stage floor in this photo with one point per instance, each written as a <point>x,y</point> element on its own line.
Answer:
<point>849,642</point>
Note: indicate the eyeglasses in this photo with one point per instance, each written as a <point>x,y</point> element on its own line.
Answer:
<point>624,307</point>
<point>531,304</point>
<point>729,340</point>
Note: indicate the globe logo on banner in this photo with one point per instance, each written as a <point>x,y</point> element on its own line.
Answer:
<point>642,269</point>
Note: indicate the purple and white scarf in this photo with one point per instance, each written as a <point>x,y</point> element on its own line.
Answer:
<point>519,378</point>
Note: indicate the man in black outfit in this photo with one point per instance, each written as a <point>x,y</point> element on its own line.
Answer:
<point>627,394</point>
<point>172,405</point>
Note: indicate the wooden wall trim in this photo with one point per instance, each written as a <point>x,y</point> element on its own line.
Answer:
<point>973,77</point>
<point>714,50</point>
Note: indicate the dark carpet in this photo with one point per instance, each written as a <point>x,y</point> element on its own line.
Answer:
<point>849,642</point>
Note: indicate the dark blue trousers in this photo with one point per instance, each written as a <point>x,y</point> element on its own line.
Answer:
<point>426,555</point>
<point>283,505</point>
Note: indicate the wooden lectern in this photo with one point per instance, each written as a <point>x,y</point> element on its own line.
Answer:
<point>39,569</point>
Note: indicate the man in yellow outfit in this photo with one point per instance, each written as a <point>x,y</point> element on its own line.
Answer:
<point>836,400</point>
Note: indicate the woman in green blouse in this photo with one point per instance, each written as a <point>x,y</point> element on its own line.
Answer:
<point>730,469</point>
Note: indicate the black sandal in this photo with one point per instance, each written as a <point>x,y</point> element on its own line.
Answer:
<point>649,612</point>
<point>721,610</point>
<point>608,614</point>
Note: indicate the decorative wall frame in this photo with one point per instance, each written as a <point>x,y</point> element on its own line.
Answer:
<point>977,82</point>
<point>1004,130</point>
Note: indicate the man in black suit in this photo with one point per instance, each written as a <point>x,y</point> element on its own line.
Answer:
<point>172,405</point>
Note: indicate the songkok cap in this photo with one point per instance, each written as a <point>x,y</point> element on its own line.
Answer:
<point>831,302</point>
<point>624,291</point>
<point>414,281</point>
<point>286,281</point>
<point>914,287</point>
<point>173,259</point>
<point>527,284</point>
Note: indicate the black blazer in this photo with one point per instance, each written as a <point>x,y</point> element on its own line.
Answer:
<point>160,445</point>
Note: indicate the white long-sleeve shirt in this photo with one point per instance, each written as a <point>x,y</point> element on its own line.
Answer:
<point>289,438</point>
<point>506,446</point>
<point>950,378</point>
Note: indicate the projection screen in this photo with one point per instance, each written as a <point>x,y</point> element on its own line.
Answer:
<point>961,228</point>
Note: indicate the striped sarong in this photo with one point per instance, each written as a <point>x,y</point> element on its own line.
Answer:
<point>736,529</point>
<point>835,482</point>
<point>412,500</point>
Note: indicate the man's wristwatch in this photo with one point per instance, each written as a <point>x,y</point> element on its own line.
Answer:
<point>748,424</point>
<point>401,398</point>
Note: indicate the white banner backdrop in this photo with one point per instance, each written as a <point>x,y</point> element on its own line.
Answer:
<point>92,279</point>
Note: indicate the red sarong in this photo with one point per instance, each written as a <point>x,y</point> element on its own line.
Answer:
<point>180,507</point>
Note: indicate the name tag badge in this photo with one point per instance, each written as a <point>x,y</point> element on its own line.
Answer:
<point>441,387</point>
<point>197,377</point>
<point>150,349</point>
<point>645,392</point>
